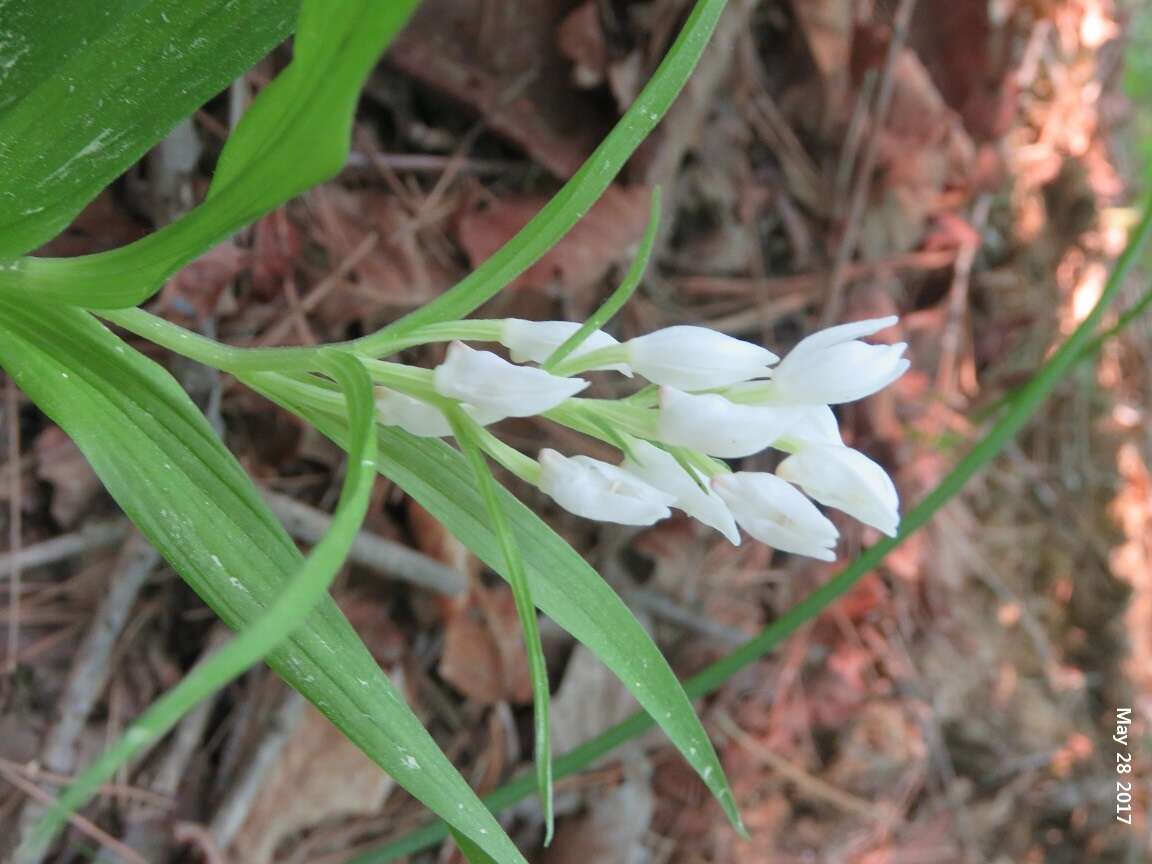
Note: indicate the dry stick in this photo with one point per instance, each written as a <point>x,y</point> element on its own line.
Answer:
<point>90,670</point>
<point>234,810</point>
<point>834,299</point>
<point>78,822</point>
<point>15,526</point>
<point>393,559</point>
<point>946,373</point>
<point>807,783</point>
<point>275,334</point>
<point>151,834</point>
<point>94,535</point>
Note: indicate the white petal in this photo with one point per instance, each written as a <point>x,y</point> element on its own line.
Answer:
<point>848,480</point>
<point>492,384</point>
<point>696,358</point>
<point>660,469</point>
<point>714,425</point>
<point>537,340</point>
<point>777,513</point>
<point>830,336</point>
<point>412,415</point>
<point>839,373</point>
<point>596,490</point>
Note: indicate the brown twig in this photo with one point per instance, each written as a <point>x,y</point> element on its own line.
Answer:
<point>946,372</point>
<point>94,535</point>
<point>834,299</point>
<point>84,826</point>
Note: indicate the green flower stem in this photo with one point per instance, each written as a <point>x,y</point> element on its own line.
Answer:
<point>586,362</point>
<point>1021,410</point>
<point>524,467</point>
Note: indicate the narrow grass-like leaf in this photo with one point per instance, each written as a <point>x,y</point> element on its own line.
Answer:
<point>563,585</point>
<point>577,196</point>
<point>464,429</point>
<point>160,460</point>
<point>295,135</point>
<point>288,611</point>
<point>1080,345</point>
<point>617,298</point>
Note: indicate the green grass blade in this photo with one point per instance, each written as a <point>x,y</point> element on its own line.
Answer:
<point>617,298</point>
<point>88,86</point>
<point>564,586</point>
<point>464,430</point>
<point>569,205</point>
<point>290,609</point>
<point>472,853</point>
<point>1078,346</point>
<point>163,464</point>
<point>295,135</point>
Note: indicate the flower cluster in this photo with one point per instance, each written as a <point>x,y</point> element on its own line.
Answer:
<point>712,397</point>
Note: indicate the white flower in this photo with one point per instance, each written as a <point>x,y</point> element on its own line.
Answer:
<point>537,340</point>
<point>696,358</point>
<point>712,424</point>
<point>596,490</point>
<point>777,513</point>
<point>419,418</point>
<point>660,469</point>
<point>412,415</point>
<point>495,386</point>
<point>831,366</point>
<point>846,479</point>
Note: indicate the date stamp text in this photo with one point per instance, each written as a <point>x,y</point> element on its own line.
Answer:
<point>1124,782</point>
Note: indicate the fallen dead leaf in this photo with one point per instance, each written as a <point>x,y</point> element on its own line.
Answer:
<point>580,38</point>
<point>604,237</point>
<point>320,775</point>
<point>60,463</point>
<point>484,654</point>
<point>613,828</point>
<point>499,57</point>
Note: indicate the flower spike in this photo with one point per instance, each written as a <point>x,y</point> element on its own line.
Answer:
<point>846,479</point>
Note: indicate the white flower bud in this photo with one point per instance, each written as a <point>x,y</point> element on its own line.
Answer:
<point>660,469</point>
<point>712,424</point>
<point>495,386</point>
<point>696,358</point>
<point>419,418</point>
<point>596,490</point>
<point>412,415</point>
<point>831,366</point>
<point>538,340</point>
<point>846,479</point>
<point>777,513</point>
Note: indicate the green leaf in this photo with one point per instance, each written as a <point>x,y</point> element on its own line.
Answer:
<point>563,585</point>
<point>295,135</point>
<point>88,86</point>
<point>466,432</point>
<point>287,612</point>
<point>161,461</point>
<point>472,853</point>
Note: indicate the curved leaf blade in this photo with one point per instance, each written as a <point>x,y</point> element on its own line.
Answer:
<point>165,467</point>
<point>564,586</point>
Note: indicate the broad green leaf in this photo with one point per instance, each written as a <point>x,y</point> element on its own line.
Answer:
<point>287,612</point>
<point>160,460</point>
<point>88,86</point>
<point>295,135</point>
<point>563,585</point>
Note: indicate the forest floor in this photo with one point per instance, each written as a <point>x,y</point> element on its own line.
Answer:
<point>831,160</point>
